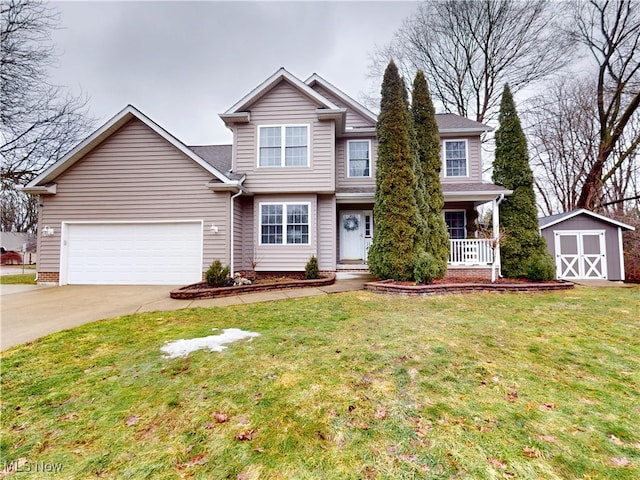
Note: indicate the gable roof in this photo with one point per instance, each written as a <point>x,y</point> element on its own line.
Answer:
<point>546,222</point>
<point>103,133</point>
<point>280,75</point>
<point>219,157</point>
<point>316,79</point>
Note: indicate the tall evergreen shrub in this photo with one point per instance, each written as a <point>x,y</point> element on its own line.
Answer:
<point>394,250</point>
<point>429,163</point>
<point>518,213</point>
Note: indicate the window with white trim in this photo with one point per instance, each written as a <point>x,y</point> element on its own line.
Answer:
<point>284,224</point>
<point>358,158</point>
<point>455,158</point>
<point>455,221</point>
<point>283,146</point>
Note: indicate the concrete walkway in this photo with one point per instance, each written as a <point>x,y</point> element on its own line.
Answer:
<point>33,311</point>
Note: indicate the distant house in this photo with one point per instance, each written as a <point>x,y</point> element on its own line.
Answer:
<point>585,245</point>
<point>20,243</point>
<point>133,205</point>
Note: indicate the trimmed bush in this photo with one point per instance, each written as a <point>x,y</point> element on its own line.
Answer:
<point>540,268</point>
<point>428,268</point>
<point>311,270</point>
<point>217,275</point>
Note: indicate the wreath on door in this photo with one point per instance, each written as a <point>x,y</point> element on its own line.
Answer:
<point>350,223</point>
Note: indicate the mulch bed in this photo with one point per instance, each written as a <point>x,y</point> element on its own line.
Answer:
<point>465,285</point>
<point>201,290</point>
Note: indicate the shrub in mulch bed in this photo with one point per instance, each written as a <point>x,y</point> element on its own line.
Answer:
<point>201,290</point>
<point>465,285</point>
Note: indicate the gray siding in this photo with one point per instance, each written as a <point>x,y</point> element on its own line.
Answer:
<point>327,225</point>
<point>474,151</point>
<point>354,119</point>
<point>342,178</point>
<point>135,175</point>
<point>285,258</point>
<point>585,223</point>
<point>280,106</point>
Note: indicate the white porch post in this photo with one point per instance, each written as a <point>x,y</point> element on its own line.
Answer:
<point>496,237</point>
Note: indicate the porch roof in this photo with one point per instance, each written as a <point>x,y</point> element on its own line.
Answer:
<point>473,192</point>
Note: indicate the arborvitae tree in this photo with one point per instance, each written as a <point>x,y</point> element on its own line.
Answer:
<point>394,250</point>
<point>428,160</point>
<point>518,213</point>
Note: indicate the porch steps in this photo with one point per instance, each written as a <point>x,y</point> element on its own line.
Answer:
<point>353,271</point>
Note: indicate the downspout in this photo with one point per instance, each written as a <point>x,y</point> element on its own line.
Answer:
<point>231,266</point>
<point>496,237</point>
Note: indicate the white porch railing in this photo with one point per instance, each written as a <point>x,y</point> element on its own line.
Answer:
<point>474,251</point>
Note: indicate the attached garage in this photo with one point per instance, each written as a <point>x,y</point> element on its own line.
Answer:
<point>130,253</point>
<point>585,245</point>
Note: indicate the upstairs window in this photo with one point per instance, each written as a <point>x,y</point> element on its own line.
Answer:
<point>284,223</point>
<point>283,146</point>
<point>456,224</point>
<point>359,158</point>
<point>455,158</point>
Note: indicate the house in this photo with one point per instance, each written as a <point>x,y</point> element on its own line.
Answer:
<point>132,204</point>
<point>585,245</point>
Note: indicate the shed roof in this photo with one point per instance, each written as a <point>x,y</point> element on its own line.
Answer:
<point>548,221</point>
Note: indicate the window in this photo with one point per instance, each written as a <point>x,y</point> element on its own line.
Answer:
<point>455,156</point>
<point>276,218</point>
<point>358,158</point>
<point>283,146</point>
<point>455,224</point>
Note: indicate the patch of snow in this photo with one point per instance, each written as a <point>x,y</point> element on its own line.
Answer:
<point>215,343</point>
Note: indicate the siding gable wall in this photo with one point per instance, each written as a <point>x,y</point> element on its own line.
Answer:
<point>354,119</point>
<point>135,175</point>
<point>283,105</point>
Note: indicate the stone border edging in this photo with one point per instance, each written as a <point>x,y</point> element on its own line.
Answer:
<point>200,290</point>
<point>386,286</point>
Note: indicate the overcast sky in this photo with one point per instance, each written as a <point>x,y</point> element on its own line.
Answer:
<point>183,63</point>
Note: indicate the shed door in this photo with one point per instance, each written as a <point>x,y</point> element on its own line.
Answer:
<point>581,255</point>
<point>166,253</point>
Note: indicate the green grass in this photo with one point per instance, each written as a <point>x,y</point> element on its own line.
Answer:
<point>347,386</point>
<point>27,279</point>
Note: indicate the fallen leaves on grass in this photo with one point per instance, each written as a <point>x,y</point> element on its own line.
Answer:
<point>530,452</point>
<point>246,435</point>
<point>381,413</point>
<point>620,462</point>
<point>548,438</point>
<point>497,464</point>
<point>132,420</point>
<point>220,417</point>
<point>512,396</point>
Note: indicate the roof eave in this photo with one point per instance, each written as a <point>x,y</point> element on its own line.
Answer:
<point>464,131</point>
<point>580,211</point>
<point>49,189</point>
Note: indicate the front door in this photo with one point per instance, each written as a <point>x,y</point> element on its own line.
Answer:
<point>356,232</point>
<point>580,254</point>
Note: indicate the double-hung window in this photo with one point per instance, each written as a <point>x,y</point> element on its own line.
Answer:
<point>283,146</point>
<point>284,223</point>
<point>455,158</point>
<point>358,152</point>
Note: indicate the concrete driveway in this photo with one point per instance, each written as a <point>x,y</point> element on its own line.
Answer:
<point>30,311</point>
<point>33,311</point>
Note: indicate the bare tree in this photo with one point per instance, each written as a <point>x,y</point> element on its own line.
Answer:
<point>468,49</point>
<point>611,32</point>
<point>39,121</point>
<point>562,133</point>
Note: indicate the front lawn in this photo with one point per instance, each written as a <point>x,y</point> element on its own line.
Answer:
<point>346,386</point>
<point>19,279</point>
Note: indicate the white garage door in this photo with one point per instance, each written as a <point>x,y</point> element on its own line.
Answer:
<point>132,253</point>
<point>581,254</point>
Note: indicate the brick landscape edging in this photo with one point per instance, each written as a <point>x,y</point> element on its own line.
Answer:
<point>200,290</point>
<point>386,286</point>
